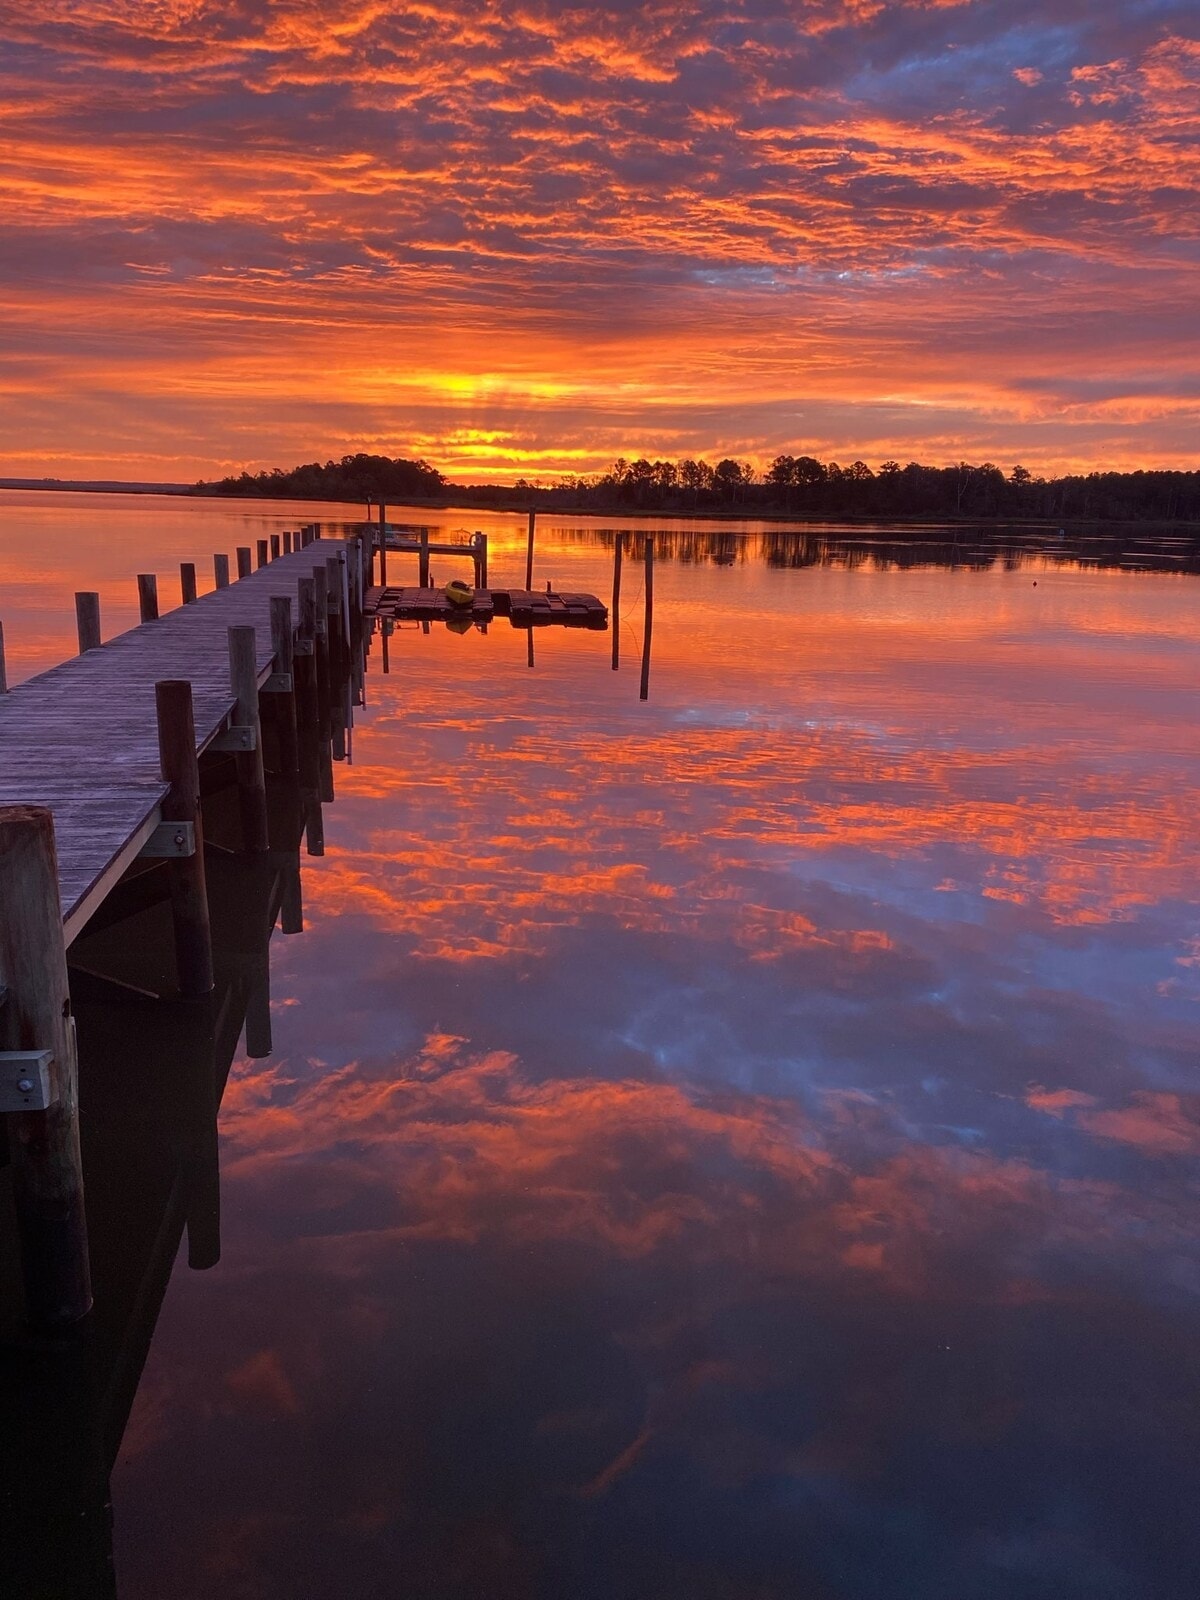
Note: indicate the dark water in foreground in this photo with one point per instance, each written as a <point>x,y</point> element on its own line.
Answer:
<point>739,1145</point>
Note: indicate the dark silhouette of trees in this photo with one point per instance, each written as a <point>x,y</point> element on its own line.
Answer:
<point>359,477</point>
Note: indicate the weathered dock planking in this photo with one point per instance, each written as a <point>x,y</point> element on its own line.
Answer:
<point>82,739</point>
<point>524,608</point>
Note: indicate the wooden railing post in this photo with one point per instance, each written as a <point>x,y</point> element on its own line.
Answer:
<point>252,783</point>
<point>189,894</point>
<point>47,1171</point>
<point>187,581</point>
<point>147,596</point>
<point>263,548</point>
<point>285,701</point>
<point>87,621</point>
<point>243,560</point>
<point>221,571</point>
<point>276,547</point>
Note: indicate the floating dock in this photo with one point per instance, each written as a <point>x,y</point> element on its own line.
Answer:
<point>524,608</point>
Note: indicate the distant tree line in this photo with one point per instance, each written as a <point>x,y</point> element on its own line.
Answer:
<point>359,477</point>
<point>799,486</point>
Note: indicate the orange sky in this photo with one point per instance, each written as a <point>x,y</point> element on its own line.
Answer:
<point>527,239</point>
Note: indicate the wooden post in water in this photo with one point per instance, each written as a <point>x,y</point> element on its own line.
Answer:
<point>252,784</point>
<point>262,547</point>
<point>423,561</point>
<point>276,547</point>
<point>308,714</point>
<point>3,666</point>
<point>187,581</point>
<point>189,895</point>
<point>529,552</point>
<point>615,609</point>
<point>382,545</point>
<point>320,580</point>
<point>47,1173</point>
<point>337,654</point>
<point>221,571</point>
<point>147,596</point>
<point>243,560</point>
<point>644,692</point>
<point>285,703</point>
<point>87,621</point>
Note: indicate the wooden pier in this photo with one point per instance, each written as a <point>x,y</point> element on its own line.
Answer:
<point>82,739</point>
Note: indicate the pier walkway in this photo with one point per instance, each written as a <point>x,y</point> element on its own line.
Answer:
<point>82,738</point>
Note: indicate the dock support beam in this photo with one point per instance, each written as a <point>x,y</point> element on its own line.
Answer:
<point>147,596</point>
<point>46,1166</point>
<point>252,784</point>
<point>189,895</point>
<point>87,621</point>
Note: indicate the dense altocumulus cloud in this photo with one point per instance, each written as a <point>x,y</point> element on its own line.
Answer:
<point>528,238</point>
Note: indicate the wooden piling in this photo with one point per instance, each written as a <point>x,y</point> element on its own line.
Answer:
<point>423,560</point>
<point>529,552</point>
<point>320,579</point>
<point>221,571</point>
<point>276,547</point>
<point>47,1173</point>
<point>285,703</point>
<point>481,546</point>
<point>644,691</point>
<point>187,581</point>
<point>189,895</point>
<point>148,596</point>
<point>252,785</point>
<point>263,548</point>
<point>314,829</point>
<point>243,560</point>
<point>3,665</point>
<point>337,657</point>
<point>382,545</point>
<point>615,610</point>
<point>287,544</point>
<point>87,621</point>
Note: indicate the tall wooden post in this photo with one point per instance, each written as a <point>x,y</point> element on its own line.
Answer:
<point>221,571</point>
<point>529,552</point>
<point>47,1172</point>
<point>285,703</point>
<point>276,547</point>
<point>3,666</point>
<point>252,783</point>
<point>87,621</point>
<point>147,596</point>
<point>287,544</point>
<point>481,545</point>
<point>187,581</point>
<point>263,557</point>
<point>644,692</point>
<point>189,894</point>
<point>243,560</point>
<point>337,657</point>
<point>382,545</point>
<point>615,609</point>
<point>423,560</point>
<point>320,579</point>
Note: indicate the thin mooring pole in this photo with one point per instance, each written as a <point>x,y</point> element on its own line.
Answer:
<point>615,611</point>
<point>221,571</point>
<point>423,561</point>
<point>3,668</point>
<point>87,621</point>
<point>252,784</point>
<point>147,596</point>
<point>189,895</point>
<point>243,560</point>
<point>482,540</point>
<point>644,692</point>
<point>529,552</point>
<point>187,581</point>
<point>382,545</point>
<point>47,1173</point>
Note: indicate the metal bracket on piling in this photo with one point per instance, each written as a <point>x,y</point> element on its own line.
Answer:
<point>238,738</point>
<point>277,683</point>
<point>25,1082</point>
<point>171,839</point>
<point>304,647</point>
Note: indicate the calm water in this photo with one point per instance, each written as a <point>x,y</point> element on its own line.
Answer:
<point>738,1145</point>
